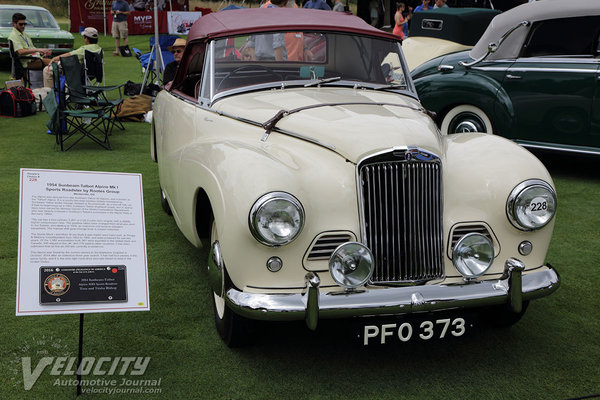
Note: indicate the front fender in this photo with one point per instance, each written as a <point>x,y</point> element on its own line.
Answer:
<point>467,87</point>
<point>241,170</point>
<point>494,166</point>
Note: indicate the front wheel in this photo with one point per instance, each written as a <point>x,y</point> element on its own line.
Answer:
<point>233,329</point>
<point>466,118</point>
<point>165,203</point>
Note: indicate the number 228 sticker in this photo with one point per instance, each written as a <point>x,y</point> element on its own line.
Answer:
<point>538,205</point>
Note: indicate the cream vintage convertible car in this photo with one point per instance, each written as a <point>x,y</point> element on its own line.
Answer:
<point>293,145</point>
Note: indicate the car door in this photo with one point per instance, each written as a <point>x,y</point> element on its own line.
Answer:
<point>181,119</point>
<point>595,124</point>
<point>553,84</point>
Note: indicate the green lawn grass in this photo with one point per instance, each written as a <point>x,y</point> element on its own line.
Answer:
<point>553,353</point>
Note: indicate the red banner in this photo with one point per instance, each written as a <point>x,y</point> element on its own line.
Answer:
<point>86,13</point>
<point>142,23</point>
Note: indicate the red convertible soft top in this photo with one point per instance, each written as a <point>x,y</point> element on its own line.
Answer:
<point>252,20</point>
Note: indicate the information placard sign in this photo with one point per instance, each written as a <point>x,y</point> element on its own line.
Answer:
<point>179,23</point>
<point>82,243</point>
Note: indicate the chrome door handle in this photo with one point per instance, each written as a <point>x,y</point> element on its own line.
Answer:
<point>509,76</point>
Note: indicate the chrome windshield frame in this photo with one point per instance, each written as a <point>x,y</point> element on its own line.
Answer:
<point>408,89</point>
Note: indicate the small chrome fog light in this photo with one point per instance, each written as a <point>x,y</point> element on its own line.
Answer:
<point>525,248</point>
<point>351,264</point>
<point>274,264</point>
<point>473,255</point>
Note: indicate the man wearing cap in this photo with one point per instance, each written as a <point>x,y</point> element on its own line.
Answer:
<point>23,45</point>
<point>90,40</point>
<point>171,68</point>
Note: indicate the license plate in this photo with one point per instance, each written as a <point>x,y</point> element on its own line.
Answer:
<point>410,330</point>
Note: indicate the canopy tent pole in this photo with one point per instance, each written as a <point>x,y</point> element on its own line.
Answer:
<point>159,64</point>
<point>104,11</point>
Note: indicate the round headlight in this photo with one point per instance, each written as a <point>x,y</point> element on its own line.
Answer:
<point>276,218</point>
<point>351,264</point>
<point>531,205</point>
<point>473,255</point>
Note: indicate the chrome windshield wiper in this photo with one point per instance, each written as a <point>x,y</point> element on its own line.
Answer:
<point>391,86</point>
<point>324,80</point>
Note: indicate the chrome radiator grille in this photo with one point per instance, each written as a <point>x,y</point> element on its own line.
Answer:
<point>401,196</point>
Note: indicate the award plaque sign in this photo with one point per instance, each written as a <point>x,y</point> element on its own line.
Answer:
<point>82,243</point>
<point>60,285</point>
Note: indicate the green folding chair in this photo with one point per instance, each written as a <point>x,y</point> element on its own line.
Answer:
<point>71,126</point>
<point>80,95</point>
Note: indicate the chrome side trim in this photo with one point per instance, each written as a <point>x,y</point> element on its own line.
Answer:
<point>565,70</point>
<point>393,300</point>
<point>558,148</point>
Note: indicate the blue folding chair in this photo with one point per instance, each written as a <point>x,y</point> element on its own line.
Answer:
<point>147,60</point>
<point>164,41</point>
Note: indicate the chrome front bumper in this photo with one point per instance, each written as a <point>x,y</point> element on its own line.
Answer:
<point>314,303</point>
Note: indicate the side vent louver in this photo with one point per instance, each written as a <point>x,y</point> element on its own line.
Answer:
<point>326,244</point>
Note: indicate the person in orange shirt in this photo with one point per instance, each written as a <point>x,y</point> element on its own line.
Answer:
<point>294,41</point>
<point>400,20</point>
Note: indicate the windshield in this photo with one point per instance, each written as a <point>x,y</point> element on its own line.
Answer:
<point>35,18</point>
<point>302,59</point>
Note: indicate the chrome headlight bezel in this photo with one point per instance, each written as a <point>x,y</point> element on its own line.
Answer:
<point>520,200</point>
<point>262,205</point>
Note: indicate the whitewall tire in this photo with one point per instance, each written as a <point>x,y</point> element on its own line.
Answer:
<point>466,118</point>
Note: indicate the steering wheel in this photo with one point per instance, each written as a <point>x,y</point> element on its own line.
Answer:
<point>250,68</point>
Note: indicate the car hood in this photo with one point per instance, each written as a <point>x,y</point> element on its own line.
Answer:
<point>419,49</point>
<point>41,32</point>
<point>351,122</point>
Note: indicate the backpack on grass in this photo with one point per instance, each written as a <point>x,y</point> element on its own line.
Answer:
<point>17,102</point>
<point>125,51</point>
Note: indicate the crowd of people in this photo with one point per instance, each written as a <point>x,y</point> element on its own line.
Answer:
<point>404,14</point>
<point>39,59</point>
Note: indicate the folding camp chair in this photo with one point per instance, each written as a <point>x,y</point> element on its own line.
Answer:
<point>18,71</point>
<point>164,41</point>
<point>93,68</point>
<point>71,126</point>
<point>80,95</point>
<point>147,60</point>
